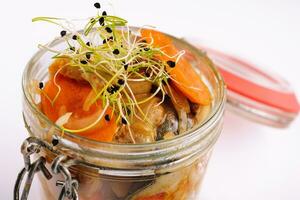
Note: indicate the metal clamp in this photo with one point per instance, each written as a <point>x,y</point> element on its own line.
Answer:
<point>60,164</point>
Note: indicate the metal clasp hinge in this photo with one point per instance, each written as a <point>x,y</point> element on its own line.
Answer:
<point>59,165</point>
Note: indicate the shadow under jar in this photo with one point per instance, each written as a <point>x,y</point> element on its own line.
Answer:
<point>168,169</point>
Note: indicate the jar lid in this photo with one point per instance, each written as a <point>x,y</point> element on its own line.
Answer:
<point>254,93</point>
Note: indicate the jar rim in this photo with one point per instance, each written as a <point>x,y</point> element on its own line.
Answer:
<point>190,133</point>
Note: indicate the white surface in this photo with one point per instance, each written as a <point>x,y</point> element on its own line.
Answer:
<point>250,161</point>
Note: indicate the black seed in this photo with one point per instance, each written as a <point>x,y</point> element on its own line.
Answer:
<point>92,20</point>
<point>147,74</point>
<point>55,142</point>
<point>63,33</point>
<point>41,85</point>
<point>171,63</point>
<point>88,55</point>
<point>110,90</point>
<point>111,38</point>
<point>113,89</point>
<point>146,49</point>
<point>116,51</point>
<point>153,89</point>
<point>126,66</point>
<point>116,87</point>
<point>108,29</point>
<point>74,37</point>
<point>84,62</point>
<point>128,111</point>
<point>97,5</point>
<point>143,41</point>
<point>121,81</point>
<point>88,44</point>
<point>104,13</point>
<point>124,121</point>
<point>101,21</point>
<point>72,48</point>
<point>107,117</point>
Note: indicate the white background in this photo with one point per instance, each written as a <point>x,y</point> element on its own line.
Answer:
<point>250,161</point>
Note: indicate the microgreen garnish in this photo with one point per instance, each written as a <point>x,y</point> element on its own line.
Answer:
<point>111,67</point>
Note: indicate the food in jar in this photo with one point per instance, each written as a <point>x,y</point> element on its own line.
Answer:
<point>112,84</point>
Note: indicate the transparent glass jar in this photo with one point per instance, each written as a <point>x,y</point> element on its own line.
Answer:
<point>167,169</point>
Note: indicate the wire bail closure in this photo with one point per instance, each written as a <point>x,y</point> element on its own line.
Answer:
<point>60,164</point>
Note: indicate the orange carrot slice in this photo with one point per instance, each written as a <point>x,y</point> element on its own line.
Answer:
<point>184,76</point>
<point>71,99</point>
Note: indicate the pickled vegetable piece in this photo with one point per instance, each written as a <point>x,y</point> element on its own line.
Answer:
<point>179,101</point>
<point>71,98</point>
<point>184,76</point>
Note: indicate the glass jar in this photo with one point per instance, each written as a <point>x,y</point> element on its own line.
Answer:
<point>81,168</point>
